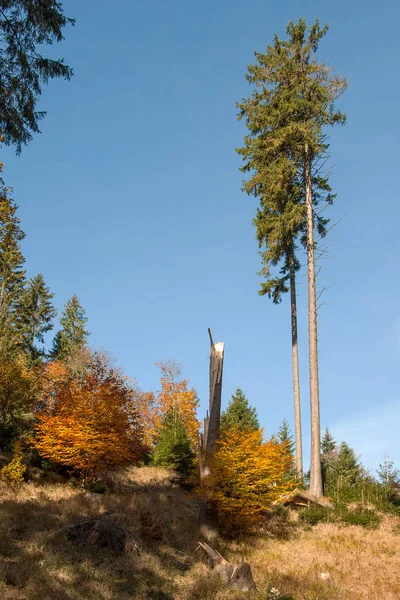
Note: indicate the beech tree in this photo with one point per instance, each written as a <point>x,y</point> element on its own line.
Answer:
<point>247,477</point>
<point>286,116</point>
<point>26,27</point>
<point>87,420</point>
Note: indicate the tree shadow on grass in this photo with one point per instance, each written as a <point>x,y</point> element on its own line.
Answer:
<point>39,562</point>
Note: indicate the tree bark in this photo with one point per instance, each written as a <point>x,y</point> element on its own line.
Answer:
<point>315,466</point>
<point>295,366</point>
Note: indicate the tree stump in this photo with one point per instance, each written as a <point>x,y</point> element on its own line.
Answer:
<point>237,576</point>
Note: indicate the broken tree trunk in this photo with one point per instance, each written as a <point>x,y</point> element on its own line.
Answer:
<point>237,576</point>
<point>208,521</point>
<point>214,418</point>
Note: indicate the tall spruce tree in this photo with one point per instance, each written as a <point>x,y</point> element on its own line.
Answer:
<point>286,116</point>
<point>239,413</point>
<point>26,27</point>
<point>73,335</point>
<point>12,273</point>
<point>34,315</point>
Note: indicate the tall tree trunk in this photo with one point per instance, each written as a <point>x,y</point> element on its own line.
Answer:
<point>315,466</point>
<point>295,365</point>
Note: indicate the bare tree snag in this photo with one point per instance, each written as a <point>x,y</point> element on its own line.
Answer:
<point>208,521</point>
<point>214,419</point>
<point>237,576</point>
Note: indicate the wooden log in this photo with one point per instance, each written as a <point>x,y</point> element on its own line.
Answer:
<point>238,576</point>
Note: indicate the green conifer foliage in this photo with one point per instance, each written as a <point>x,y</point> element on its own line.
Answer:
<point>285,436</point>
<point>34,313</point>
<point>239,413</point>
<point>73,335</point>
<point>26,27</point>
<point>173,448</point>
<point>328,444</point>
<point>12,274</point>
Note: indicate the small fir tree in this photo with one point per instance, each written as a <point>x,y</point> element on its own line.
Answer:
<point>285,436</point>
<point>73,335</point>
<point>239,413</point>
<point>173,448</point>
<point>329,453</point>
<point>328,444</point>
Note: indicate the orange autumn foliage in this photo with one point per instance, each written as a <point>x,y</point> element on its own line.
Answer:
<point>247,477</point>
<point>88,423</point>
<point>176,397</point>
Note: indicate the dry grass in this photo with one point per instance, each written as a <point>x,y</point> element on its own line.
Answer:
<point>38,562</point>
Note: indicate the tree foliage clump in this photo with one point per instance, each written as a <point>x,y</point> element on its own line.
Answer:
<point>239,413</point>
<point>173,448</point>
<point>26,27</point>
<point>247,478</point>
<point>89,423</point>
<point>14,472</point>
<point>18,393</point>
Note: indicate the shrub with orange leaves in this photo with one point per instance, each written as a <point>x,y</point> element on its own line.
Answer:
<point>88,422</point>
<point>247,477</point>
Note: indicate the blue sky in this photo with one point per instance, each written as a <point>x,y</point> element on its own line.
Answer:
<point>131,199</point>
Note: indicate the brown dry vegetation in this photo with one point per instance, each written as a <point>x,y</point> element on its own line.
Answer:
<point>39,562</point>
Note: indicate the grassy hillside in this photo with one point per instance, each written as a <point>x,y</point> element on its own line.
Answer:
<point>39,562</point>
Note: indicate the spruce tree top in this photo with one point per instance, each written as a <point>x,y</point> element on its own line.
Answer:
<point>285,436</point>
<point>73,335</point>
<point>26,26</point>
<point>292,101</point>
<point>239,413</point>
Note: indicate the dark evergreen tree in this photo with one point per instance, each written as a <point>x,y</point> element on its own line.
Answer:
<point>26,27</point>
<point>292,103</point>
<point>239,413</point>
<point>285,436</point>
<point>173,448</point>
<point>348,467</point>
<point>34,314</point>
<point>12,273</point>
<point>328,444</point>
<point>329,455</point>
<point>73,335</point>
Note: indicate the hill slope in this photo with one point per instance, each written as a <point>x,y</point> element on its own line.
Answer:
<point>39,562</point>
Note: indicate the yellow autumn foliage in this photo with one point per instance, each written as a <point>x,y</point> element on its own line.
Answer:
<point>248,476</point>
